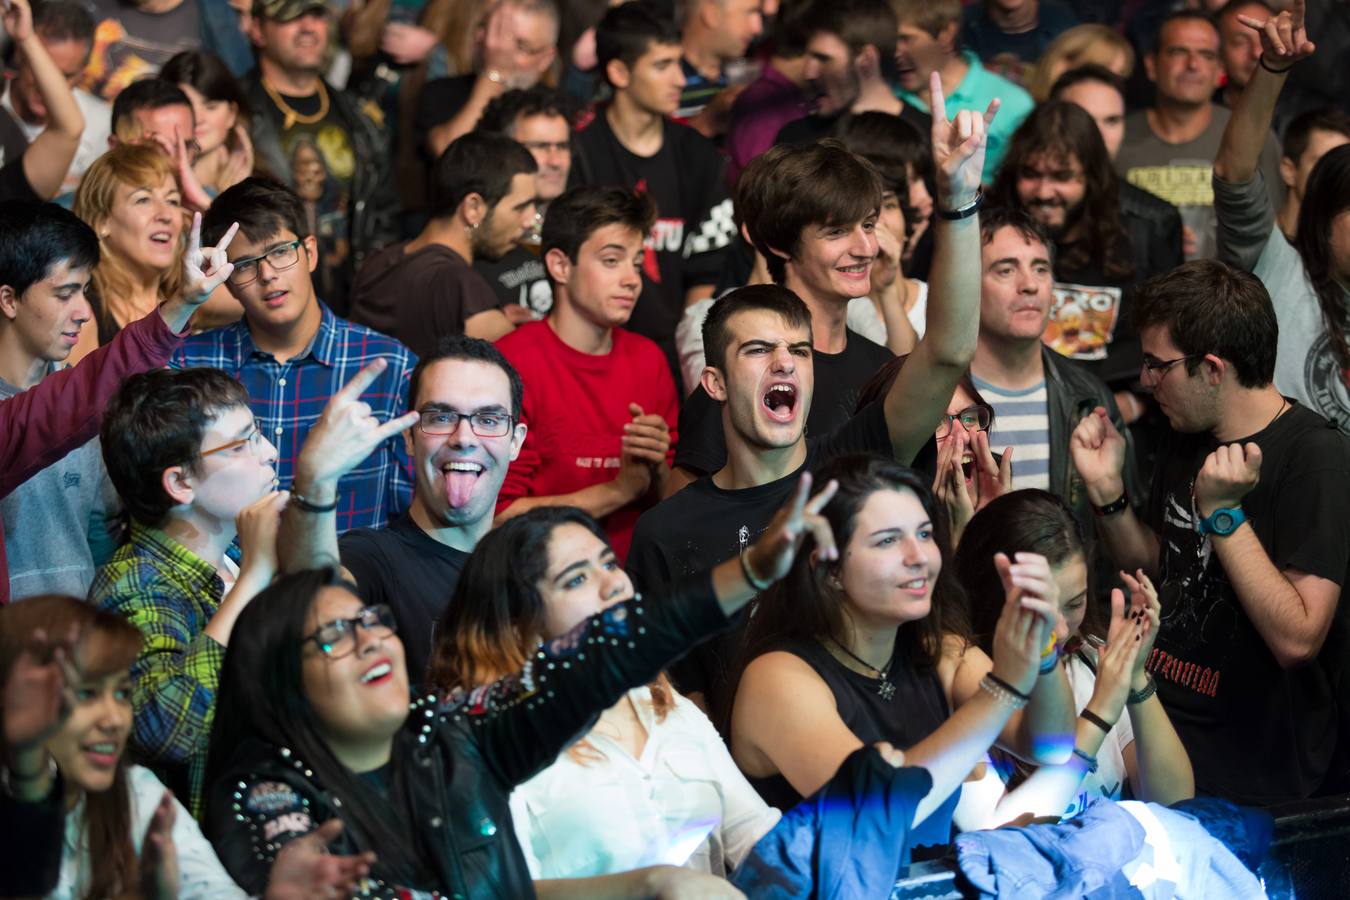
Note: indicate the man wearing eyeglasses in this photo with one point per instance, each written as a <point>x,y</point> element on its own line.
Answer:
<point>1245,533</point>
<point>292,353</point>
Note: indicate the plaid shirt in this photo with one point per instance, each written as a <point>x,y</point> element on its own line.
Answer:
<point>288,398</point>
<point>170,594</point>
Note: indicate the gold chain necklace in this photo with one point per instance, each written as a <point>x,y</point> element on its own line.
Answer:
<point>293,117</point>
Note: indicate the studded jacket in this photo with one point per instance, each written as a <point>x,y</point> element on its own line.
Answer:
<point>462,755</point>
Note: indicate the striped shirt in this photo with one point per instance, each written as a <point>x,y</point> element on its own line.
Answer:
<point>1021,421</point>
<point>288,398</point>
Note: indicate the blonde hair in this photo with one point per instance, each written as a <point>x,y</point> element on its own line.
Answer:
<point>1079,46</point>
<point>124,165</point>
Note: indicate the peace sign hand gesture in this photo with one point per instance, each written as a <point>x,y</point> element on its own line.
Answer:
<point>205,270</point>
<point>958,147</point>
<point>771,556</point>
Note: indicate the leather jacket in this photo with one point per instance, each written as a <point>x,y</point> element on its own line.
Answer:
<point>461,755</point>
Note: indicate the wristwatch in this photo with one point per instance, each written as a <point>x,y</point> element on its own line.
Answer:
<point>1222,522</point>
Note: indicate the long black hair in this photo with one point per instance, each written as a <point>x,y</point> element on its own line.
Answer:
<point>262,697</point>
<point>1327,196</point>
<point>807,606</point>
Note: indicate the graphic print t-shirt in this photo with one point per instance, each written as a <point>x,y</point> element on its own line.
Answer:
<point>1216,675</point>
<point>130,44</point>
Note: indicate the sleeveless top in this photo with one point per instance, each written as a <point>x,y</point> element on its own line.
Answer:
<point>915,711</point>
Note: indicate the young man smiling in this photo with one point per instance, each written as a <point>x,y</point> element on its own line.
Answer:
<point>291,352</point>
<point>599,401</point>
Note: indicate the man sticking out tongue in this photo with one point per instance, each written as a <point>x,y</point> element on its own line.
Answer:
<point>462,433</point>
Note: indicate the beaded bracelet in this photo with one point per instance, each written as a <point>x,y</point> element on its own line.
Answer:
<point>1087,758</point>
<point>1000,691</point>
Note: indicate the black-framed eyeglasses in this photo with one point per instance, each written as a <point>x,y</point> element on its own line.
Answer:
<point>483,424</point>
<point>282,256</point>
<point>972,418</point>
<point>1155,370</point>
<point>254,439</point>
<point>337,639</point>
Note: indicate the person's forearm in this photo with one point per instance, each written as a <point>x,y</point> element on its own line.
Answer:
<point>1048,720</point>
<point>953,315</point>
<point>1129,542</point>
<point>485,90</point>
<point>1275,607</point>
<point>30,774</point>
<point>598,500</point>
<point>901,337</point>
<point>48,158</point>
<point>248,585</point>
<point>1048,790</point>
<point>362,26</point>
<point>636,884</point>
<point>1245,135</point>
<point>952,751</point>
<point>1163,771</point>
<point>306,539</point>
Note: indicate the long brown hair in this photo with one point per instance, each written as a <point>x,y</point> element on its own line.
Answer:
<point>107,815</point>
<point>496,618</point>
<point>125,164</point>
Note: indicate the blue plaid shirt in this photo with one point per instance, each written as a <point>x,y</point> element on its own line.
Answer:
<point>288,398</point>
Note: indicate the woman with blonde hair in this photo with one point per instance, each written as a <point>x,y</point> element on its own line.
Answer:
<point>131,198</point>
<point>1080,45</point>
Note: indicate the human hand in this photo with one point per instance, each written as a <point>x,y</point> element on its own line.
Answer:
<point>1116,661</point>
<point>194,195</point>
<point>680,883</point>
<point>1284,38</point>
<point>518,315</point>
<point>159,854</point>
<point>1229,474</point>
<point>304,869</point>
<point>1030,613</point>
<point>886,266</point>
<point>39,692</point>
<point>499,42</point>
<point>1098,453</point>
<point>205,270</point>
<point>257,528</point>
<point>958,147</point>
<point>949,486</point>
<point>407,44</point>
<point>647,437</point>
<point>993,477</point>
<point>1145,609</point>
<point>345,434</point>
<point>18,20</point>
<point>239,164</point>
<point>771,556</point>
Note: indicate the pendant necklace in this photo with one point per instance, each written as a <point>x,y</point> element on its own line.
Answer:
<point>886,688</point>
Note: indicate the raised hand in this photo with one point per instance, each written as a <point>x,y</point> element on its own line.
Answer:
<point>39,693</point>
<point>239,164</point>
<point>194,195</point>
<point>993,478</point>
<point>304,869</point>
<point>345,434</point>
<point>499,43</point>
<point>886,266</point>
<point>1229,474</point>
<point>949,486</point>
<point>1098,452</point>
<point>159,854</point>
<point>257,528</point>
<point>407,44</point>
<point>1284,38</point>
<point>1146,611</point>
<point>1117,661</point>
<point>205,270</point>
<point>771,556</point>
<point>958,147</point>
<point>18,20</point>
<point>1030,614</point>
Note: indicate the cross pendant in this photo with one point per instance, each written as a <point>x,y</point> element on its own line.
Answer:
<point>885,689</point>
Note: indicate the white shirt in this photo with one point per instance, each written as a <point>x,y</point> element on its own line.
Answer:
<point>200,873</point>
<point>683,803</point>
<point>1109,779</point>
<point>93,142</point>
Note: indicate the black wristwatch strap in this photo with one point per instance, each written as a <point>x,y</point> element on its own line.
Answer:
<point>1117,505</point>
<point>299,501</point>
<point>961,212</point>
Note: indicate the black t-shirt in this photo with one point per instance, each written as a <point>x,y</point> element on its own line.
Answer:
<point>1256,733</point>
<point>840,377</point>
<point>812,128</point>
<point>404,567</point>
<point>14,183</point>
<point>518,278</point>
<point>440,99</point>
<point>703,525</point>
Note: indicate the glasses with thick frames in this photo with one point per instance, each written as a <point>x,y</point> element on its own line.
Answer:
<point>1154,370</point>
<point>337,639</point>
<point>446,421</point>
<point>280,257</point>
<point>972,418</point>
<point>254,439</point>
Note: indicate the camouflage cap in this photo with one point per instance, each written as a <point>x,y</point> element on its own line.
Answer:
<point>284,10</point>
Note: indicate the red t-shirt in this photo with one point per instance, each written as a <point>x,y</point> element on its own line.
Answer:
<point>576,406</point>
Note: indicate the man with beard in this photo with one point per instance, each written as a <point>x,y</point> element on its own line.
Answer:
<point>463,433</point>
<point>1108,237</point>
<point>482,201</point>
<point>850,59</point>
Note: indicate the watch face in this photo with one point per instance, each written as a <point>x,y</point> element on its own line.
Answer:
<point>1223,522</point>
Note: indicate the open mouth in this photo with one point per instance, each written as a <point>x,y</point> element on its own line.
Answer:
<point>857,271</point>
<point>161,237</point>
<point>781,401</point>
<point>460,478</point>
<point>917,587</point>
<point>273,299</point>
<point>379,673</point>
<point>968,467</point>
<point>102,753</point>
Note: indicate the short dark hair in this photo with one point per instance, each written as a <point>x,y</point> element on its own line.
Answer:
<point>580,211</point>
<point>1181,15</point>
<point>993,219</point>
<point>477,163</point>
<point>1085,73</point>
<point>35,237</point>
<point>858,24</point>
<point>459,346</point>
<point>502,113</point>
<point>1209,306</point>
<point>155,421</point>
<point>896,149</point>
<point>627,31</point>
<point>148,93</point>
<point>208,75</point>
<point>790,187</point>
<point>1298,133</point>
<point>771,297</point>
<point>63,20</point>
<point>261,205</point>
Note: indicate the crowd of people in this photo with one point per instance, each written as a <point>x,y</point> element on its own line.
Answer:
<point>733,448</point>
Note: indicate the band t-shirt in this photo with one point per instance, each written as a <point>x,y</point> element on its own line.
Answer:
<point>131,44</point>
<point>412,573</point>
<point>839,379</point>
<point>519,279</point>
<point>1216,675</point>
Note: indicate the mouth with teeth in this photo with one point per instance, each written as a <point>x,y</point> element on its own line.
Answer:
<point>161,237</point>
<point>102,754</point>
<point>274,299</point>
<point>918,587</point>
<point>460,478</point>
<point>857,271</point>
<point>781,401</point>
<point>379,673</point>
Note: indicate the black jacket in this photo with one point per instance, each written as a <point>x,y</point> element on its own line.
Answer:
<point>34,842</point>
<point>462,755</point>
